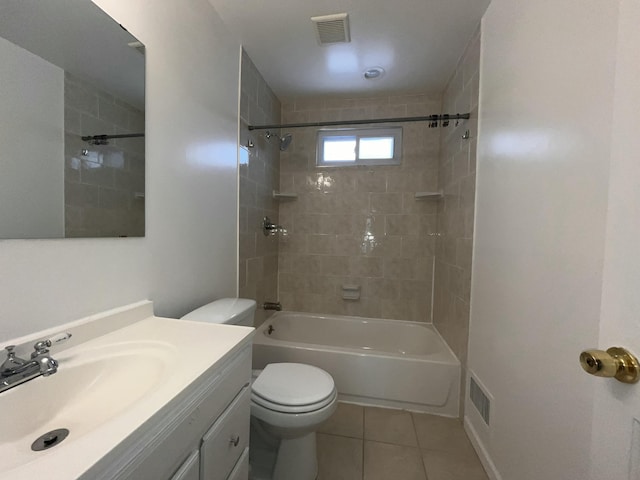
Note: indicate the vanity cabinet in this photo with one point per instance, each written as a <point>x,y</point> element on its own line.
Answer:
<point>241,470</point>
<point>226,440</point>
<point>202,434</point>
<point>190,469</point>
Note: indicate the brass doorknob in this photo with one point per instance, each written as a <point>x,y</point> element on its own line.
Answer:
<point>616,362</point>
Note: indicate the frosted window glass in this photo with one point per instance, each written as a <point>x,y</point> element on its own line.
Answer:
<point>340,149</point>
<point>381,147</point>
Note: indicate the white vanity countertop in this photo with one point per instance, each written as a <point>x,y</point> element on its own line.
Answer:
<point>105,389</point>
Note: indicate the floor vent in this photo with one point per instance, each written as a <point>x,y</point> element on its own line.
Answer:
<point>332,28</point>
<point>480,400</point>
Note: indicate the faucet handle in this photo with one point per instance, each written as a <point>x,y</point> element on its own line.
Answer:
<point>11,361</point>
<point>42,347</point>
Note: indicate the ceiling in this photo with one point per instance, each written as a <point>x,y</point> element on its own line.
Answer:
<point>417,42</point>
<point>78,37</point>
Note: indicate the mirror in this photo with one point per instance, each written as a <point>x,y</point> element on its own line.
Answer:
<point>72,123</point>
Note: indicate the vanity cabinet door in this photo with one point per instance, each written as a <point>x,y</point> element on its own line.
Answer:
<point>241,470</point>
<point>226,440</point>
<point>190,469</point>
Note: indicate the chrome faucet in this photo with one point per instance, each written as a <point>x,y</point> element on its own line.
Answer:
<point>270,228</point>
<point>15,370</point>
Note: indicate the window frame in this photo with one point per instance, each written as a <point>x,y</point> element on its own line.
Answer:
<point>358,133</point>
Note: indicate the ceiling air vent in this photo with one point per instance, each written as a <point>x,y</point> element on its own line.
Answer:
<point>332,28</point>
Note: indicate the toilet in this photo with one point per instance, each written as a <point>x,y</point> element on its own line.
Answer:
<point>289,401</point>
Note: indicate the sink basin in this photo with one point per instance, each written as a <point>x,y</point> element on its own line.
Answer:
<point>80,396</point>
<point>109,391</point>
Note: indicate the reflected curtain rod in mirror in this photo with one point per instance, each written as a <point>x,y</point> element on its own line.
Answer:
<point>104,139</point>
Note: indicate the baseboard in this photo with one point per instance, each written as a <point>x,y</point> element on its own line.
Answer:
<point>485,459</point>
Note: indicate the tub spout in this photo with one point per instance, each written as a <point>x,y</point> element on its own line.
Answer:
<point>272,306</point>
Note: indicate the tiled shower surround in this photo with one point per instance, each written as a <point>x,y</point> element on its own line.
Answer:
<point>457,169</point>
<point>362,226</point>
<point>104,184</point>
<point>259,177</point>
<point>359,226</point>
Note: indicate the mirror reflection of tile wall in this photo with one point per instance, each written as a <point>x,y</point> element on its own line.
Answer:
<point>104,184</point>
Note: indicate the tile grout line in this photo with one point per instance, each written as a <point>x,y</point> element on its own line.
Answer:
<point>415,431</point>
<point>418,447</point>
<point>363,440</point>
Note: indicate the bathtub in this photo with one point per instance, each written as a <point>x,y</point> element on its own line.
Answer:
<point>377,362</point>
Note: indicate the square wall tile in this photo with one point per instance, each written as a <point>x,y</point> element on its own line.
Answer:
<point>258,179</point>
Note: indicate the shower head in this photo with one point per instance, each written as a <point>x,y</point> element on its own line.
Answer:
<point>285,140</point>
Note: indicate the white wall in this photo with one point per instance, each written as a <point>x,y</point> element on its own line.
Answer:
<point>189,255</point>
<point>31,145</point>
<point>192,130</point>
<point>543,163</point>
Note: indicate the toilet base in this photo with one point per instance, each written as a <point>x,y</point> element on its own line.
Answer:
<point>273,458</point>
<point>297,459</point>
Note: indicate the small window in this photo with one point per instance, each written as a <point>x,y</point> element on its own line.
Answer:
<point>358,146</point>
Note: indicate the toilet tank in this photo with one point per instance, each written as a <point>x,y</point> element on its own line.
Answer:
<point>233,311</point>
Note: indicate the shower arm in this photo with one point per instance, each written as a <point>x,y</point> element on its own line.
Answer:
<point>284,140</point>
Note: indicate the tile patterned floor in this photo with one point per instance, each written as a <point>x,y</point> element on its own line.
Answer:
<point>365,443</point>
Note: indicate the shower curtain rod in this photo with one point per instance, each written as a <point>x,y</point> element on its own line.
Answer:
<point>109,137</point>
<point>428,118</point>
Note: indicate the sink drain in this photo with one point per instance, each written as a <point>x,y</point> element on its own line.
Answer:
<point>49,439</point>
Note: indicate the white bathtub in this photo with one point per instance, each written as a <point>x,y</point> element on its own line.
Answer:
<point>387,363</point>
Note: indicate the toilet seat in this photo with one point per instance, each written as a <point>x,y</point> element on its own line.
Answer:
<point>293,388</point>
<point>276,407</point>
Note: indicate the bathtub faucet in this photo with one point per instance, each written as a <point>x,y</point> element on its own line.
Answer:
<point>272,306</point>
<point>270,228</point>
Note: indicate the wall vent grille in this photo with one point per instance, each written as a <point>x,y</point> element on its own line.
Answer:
<point>480,400</point>
<point>332,28</point>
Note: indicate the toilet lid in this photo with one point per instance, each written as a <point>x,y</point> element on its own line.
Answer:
<point>293,384</point>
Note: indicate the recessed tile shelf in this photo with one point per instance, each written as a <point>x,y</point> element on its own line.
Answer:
<point>278,195</point>
<point>434,195</point>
